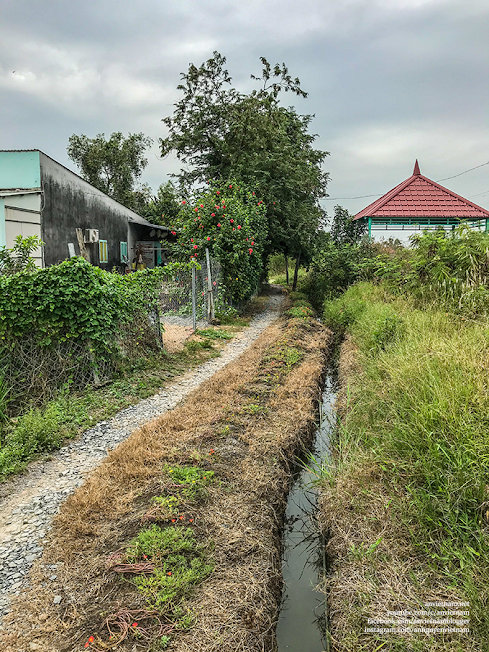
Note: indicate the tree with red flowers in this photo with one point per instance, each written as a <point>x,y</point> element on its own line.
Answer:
<point>231,222</point>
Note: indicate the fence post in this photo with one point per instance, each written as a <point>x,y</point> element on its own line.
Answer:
<point>210,294</point>
<point>194,300</point>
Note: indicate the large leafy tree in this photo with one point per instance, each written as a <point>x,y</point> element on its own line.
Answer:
<point>114,165</point>
<point>221,133</point>
<point>164,207</point>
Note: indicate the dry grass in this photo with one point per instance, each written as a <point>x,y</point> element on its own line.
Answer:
<point>254,414</point>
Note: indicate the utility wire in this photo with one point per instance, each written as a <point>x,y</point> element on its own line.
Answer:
<point>465,172</point>
<point>437,181</point>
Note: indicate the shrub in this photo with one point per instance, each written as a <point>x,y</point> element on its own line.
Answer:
<point>231,222</point>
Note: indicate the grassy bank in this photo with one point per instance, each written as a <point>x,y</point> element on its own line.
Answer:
<point>174,541</point>
<point>407,497</point>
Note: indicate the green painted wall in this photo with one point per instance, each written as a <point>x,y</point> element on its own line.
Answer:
<point>3,237</point>
<point>20,170</point>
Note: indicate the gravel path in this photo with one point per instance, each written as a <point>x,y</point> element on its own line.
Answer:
<point>29,502</point>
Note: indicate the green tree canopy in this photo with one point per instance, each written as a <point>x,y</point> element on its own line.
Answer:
<point>220,133</point>
<point>164,207</point>
<point>114,166</point>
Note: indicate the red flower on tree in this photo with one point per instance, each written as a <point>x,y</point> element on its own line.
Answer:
<point>218,224</point>
<point>239,226</point>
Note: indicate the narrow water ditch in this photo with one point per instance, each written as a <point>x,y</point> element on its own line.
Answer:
<point>302,625</point>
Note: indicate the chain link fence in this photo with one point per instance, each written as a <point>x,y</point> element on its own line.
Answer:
<point>34,374</point>
<point>182,300</point>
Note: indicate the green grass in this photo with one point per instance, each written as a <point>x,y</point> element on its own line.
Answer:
<point>420,408</point>
<point>43,429</point>
<point>281,279</point>
<point>180,561</point>
<point>214,334</point>
<point>192,479</point>
<point>180,564</point>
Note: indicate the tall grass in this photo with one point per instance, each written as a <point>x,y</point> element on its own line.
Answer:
<point>420,407</point>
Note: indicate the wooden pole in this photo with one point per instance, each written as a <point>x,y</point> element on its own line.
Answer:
<point>84,253</point>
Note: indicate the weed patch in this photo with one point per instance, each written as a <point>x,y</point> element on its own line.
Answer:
<point>214,334</point>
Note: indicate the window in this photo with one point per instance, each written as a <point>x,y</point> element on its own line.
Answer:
<point>124,252</point>
<point>102,251</point>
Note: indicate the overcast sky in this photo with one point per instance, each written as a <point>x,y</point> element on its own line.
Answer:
<point>389,81</point>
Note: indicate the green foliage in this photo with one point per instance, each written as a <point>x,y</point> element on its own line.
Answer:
<point>338,258</point>
<point>285,354</point>
<point>213,334</point>
<point>192,480</point>
<point>179,565</point>
<point>301,312</point>
<point>388,329</point>
<point>230,221</point>
<point>344,229</point>
<point>164,207</point>
<point>220,133</point>
<point>34,433</point>
<point>4,400</point>
<point>74,300</point>
<point>449,269</point>
<point>341,313</point>
<point>195,345</point>
<point>18,259</point>
<point>114,166</point>
<point>418,409</point>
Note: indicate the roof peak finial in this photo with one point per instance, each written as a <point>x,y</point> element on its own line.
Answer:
<point>416,168</point>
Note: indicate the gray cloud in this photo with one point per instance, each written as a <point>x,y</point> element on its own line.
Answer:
<point>389,80</point>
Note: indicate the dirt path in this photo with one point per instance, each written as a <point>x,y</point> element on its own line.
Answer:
<point>29,502</point>
<point>214,470</point>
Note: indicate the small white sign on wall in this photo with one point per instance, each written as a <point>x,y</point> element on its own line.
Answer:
<point>71,249</point>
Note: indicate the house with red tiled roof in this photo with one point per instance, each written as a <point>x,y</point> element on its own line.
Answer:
<point>421,201</point>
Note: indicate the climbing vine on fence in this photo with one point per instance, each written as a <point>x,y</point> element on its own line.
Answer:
<point>74,300</point>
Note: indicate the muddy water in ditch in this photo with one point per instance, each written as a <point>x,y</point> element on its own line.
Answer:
<point>302,625</point>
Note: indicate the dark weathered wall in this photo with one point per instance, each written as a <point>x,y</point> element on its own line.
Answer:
<point>70,203</point>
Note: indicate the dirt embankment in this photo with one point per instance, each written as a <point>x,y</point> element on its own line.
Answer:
<point>245,424</point>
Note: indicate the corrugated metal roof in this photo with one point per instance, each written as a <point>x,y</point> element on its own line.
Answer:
<point>419,196</point>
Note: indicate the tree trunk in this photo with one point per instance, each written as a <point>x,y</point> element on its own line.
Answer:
<point>286,269</point>
<point>296,271</point>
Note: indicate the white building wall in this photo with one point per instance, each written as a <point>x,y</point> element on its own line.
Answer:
<point>22,214</point>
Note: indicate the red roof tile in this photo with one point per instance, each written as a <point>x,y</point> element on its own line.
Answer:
<point>418,196</point>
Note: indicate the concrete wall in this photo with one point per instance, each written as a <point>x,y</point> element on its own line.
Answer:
<point>22,215</point>
<point>19,170</point>
<point>70,203</point>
